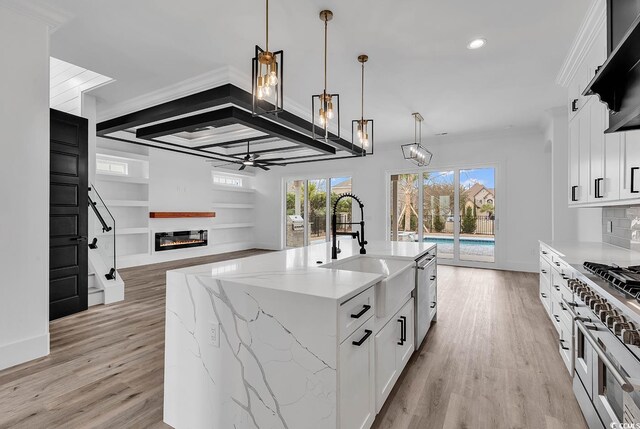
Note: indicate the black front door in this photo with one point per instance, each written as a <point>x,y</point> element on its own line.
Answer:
<point>69,186</point>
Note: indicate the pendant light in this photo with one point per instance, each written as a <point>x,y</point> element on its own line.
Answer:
<point>362,129</point>
<point>415,152</point>
<point>326,104</point>
<point>266,76</point>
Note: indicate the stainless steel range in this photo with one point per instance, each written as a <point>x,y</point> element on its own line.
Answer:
<point>606,352</point>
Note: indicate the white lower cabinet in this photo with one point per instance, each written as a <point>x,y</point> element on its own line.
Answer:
<point>394,345</point>
<point>357,379</point>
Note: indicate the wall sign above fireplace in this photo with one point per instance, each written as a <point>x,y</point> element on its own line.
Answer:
<point>180,239</point>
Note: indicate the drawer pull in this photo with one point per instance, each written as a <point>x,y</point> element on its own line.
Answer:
<point>555,316</point>
<point>365,308</point>
<point>574,105</point>
<point>562,345</point>
<point>557,287</point>
<point>557,263</point>
<point>573,193</point>
<point>543,271</point>
<point>403,330</point>
<point>367,333</point>
<point>433,304</point>
<point>544,252</point>
<point>633,180</point>
<point>565,277</point>
<point>432,278</point>
<point>543,295</point>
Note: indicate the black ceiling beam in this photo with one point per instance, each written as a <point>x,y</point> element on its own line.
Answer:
<point>277,149</point>
<point>210,98</point>
<point>227,116</point>
<point>232,142</point>
<point>244,99</point>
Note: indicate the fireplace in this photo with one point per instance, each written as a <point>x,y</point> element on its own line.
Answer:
<point>180,239</point>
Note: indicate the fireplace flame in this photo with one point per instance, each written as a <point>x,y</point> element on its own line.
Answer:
<point>180,242</point>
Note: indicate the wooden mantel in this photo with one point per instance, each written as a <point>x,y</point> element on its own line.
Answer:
<point>173,215</point>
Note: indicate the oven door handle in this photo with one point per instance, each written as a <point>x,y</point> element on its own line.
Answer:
<point>620,378</point>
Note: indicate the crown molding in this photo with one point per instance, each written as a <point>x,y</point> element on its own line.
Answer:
<point>44,13</point>
<point>593,23</point>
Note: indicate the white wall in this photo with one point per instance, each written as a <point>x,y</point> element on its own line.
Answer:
<point>523,189</point>
<point>24,189</point>
<point>569,224</point>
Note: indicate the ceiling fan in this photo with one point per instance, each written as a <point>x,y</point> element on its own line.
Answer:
<point>251,160</point>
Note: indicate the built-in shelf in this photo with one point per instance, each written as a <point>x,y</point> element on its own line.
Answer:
<point>175,215</point>
<point>126,203</point>
<point>232,225</point>
<point>121,179</point>
<point>233,206</point>
<point>232,188</point>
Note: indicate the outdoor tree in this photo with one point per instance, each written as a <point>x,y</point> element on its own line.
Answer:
<point>409,191</point>
<point>487,208</point>
<point>438,223</point>
<point>468,225</point>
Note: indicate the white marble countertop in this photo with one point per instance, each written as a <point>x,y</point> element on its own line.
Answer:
<point>579,252</point>
<point>297,270</point>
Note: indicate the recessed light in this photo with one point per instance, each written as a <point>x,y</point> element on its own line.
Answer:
<point>476,43</point>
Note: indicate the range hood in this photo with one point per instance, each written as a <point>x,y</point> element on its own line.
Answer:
<point>617,82</point>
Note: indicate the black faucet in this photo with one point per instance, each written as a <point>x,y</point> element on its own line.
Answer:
<point>359,235</point>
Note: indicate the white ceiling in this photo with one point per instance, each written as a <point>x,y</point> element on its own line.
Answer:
<point>417,50</point>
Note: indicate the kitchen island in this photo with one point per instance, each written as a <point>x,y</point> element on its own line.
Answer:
<point>291,339</point>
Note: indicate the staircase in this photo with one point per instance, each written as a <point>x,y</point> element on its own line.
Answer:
<point>105,285</point>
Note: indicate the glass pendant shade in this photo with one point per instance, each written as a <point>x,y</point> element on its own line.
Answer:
<point>266,78</point>
<point>326,122</point>
<point>415,152</point>
<point>362,129</point>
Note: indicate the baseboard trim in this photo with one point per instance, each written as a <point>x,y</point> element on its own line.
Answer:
<point>23,351</point>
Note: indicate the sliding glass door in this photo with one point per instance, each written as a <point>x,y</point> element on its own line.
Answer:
<point>454,208</point>
<point>308,210</point>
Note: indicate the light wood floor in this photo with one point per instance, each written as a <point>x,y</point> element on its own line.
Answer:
<point>491,361</point>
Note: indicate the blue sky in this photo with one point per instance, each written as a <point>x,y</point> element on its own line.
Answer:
<point>485,176</point>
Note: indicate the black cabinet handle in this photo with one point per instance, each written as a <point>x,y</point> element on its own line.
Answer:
<point>562,345</point>
<point>633,179</point>
<point>543,295</point>
<point>403,330</point>
<point>365,308</point>
<point>557,287</point>
<point>557,263</point>
<point>555,316</point>
<point>433,304</point>
<point>543,271</point>
<point>432,278</point>
<point>367,333</point>
<point>597,191</point>
<point>574,105</point>
<point>565,277</point>
<point>544,252</point>
<point>573,193</point>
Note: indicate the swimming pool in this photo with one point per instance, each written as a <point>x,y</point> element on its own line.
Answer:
<point>470,248</point>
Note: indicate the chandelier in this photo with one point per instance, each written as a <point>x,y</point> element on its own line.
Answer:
<point>324,103</point>
<point>362,129</point>
<point>415,152</point>
<point>266,76</point>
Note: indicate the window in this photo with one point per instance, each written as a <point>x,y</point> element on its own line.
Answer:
<point>308,210</point>
<point>227,180</point>
<point>107,166</point>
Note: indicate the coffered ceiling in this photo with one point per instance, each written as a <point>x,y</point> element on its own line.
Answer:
<point>417,50</point>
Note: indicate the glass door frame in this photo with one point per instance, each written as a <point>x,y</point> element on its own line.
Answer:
<point>500,209</point>
<point>305,210</point>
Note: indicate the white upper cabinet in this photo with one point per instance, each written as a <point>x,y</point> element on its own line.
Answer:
<point>604,169</point>
<point>629,165</point>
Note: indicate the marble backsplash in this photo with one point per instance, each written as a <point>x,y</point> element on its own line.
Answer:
<point>621,226</point>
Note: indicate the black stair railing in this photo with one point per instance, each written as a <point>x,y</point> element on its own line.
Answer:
<point>107,248</point>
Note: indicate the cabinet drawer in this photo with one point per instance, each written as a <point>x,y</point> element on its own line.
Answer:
<point>545,269</point>
<point>353,313</point>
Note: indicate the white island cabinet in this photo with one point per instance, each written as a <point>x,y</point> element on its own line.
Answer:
<point>286,339</point>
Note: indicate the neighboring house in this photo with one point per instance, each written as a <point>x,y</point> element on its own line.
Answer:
<point>343,187</point>
<point>477,196</point>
